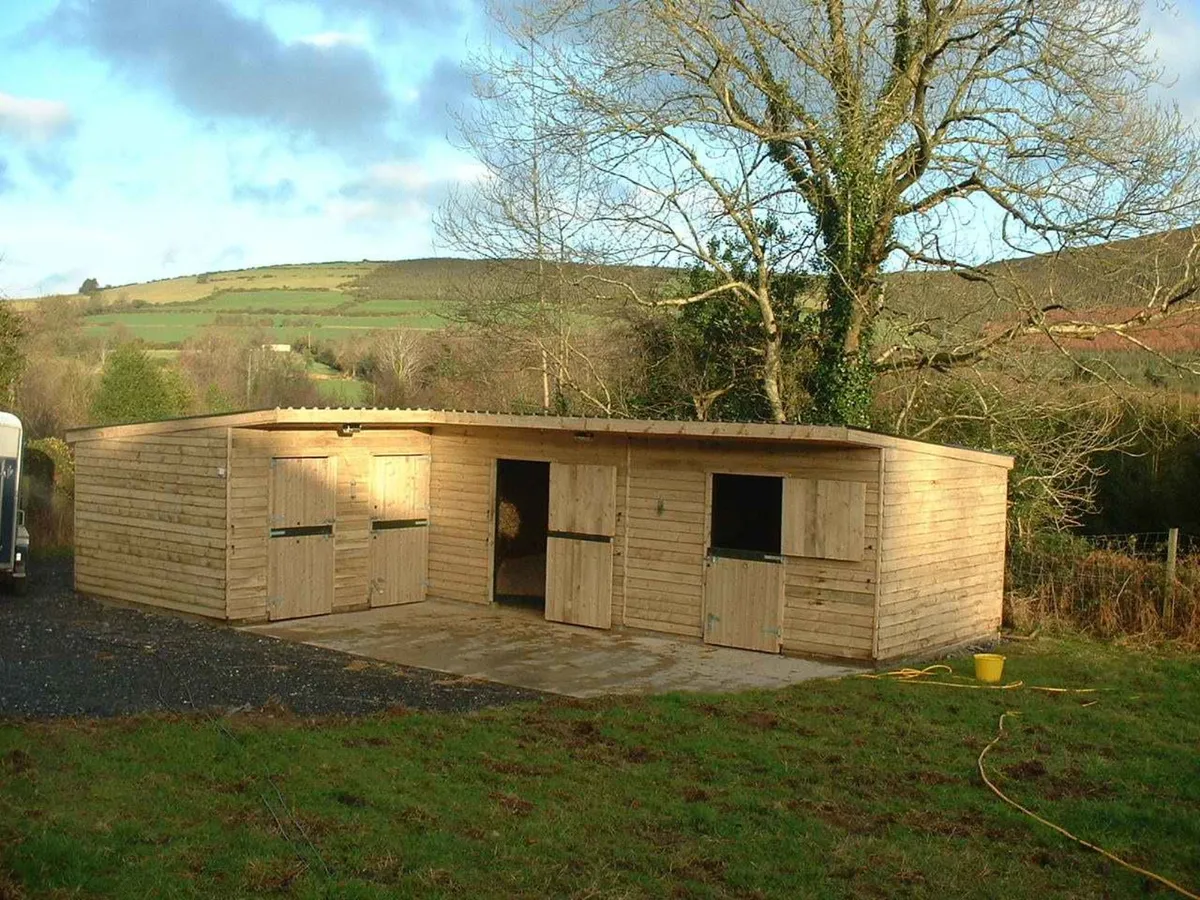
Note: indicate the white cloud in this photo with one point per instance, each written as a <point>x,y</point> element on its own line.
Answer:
<point>34,121</point>
<point>327,39</point>
<point>416,176</point>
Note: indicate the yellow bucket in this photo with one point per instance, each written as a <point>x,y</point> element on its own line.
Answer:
<point>989,667</point>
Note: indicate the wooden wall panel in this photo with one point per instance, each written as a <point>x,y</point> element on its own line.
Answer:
<point>252,451</point>
<point>461,514</point>
<point>828,604</point>
<point>664,550</point>
<point>150,520</point>
<point>942,567</point>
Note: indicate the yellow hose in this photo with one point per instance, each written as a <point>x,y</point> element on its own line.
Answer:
<point>921,676</point>
<point>1011,802</point>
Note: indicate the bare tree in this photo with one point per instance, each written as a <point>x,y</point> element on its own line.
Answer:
<point>397,360</point>
<point>532,214</point>
<point>874,127</point>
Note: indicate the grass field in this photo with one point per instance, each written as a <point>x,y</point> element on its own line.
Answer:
<point>343,391</point>
<point>253,301</point>
<point>852,788</point>
<point>385,307</point>
<point>316,276</point>
<point>165,327</point>
<point>333,301</point>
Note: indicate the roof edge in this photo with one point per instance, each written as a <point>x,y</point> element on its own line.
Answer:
<point>172,426</point>
<point>418,418</point>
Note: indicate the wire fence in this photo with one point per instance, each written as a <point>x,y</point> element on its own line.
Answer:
<point>1111,585</point>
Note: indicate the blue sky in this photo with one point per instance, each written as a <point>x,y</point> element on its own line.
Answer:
<point>143,139</point>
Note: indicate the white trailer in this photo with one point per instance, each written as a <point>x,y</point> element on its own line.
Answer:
<point>14,539</point>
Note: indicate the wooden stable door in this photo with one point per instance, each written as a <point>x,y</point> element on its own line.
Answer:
<point>743,602</point>
<point>399,529</point>
<point>579,550</point>
<point>300,547</point>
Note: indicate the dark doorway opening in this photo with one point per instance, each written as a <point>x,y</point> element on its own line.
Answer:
<point>522,519</point>
<point>747,515</point>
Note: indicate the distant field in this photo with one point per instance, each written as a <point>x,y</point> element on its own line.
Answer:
<point>318,276</point>
<point>343,391</point>
<point>329,301</point>
<point>170,328</point>
<point>153,327</point>
<point>380,307</point>
<point>252,301</point>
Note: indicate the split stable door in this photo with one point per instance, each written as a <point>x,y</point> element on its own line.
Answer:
<point>303,497</point>
<point>579,544</point>
<point>399,529</point>
<point>757,522</point>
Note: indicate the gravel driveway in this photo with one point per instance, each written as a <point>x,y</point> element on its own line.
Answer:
<point>65,656</point>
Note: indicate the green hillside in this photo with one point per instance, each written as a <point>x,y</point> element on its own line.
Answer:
<point>321,301</point>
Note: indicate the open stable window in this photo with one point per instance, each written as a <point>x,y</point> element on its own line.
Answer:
<point>747,515</point>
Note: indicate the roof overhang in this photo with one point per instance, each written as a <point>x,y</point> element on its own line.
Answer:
<point>296,418</point>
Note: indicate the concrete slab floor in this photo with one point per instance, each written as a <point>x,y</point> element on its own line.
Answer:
<point>518,647</point>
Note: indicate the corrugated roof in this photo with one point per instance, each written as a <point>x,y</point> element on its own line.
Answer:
<point>375,417</point>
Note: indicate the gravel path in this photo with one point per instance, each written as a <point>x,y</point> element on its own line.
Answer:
<point>65,656</point>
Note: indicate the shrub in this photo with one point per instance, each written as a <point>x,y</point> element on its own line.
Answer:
<point>1110,592</point>
<point>48,493</point>
<point>134,388</point>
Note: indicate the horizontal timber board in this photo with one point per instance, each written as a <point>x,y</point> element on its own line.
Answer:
<point>200,595</point>
<point>678,577</point>
<point>812,647</point>
<point>152,509</point>
<point>198,575</point>
<point>179,521</point>
<point>207,493</point>
<point>819,598</point>
<point>956,558</point>
<point>942,580</point>
<point>666,627</point>
<point>160,550</point>
<point>94,517</point>
<point>104,591</point>
<point>100,531</point>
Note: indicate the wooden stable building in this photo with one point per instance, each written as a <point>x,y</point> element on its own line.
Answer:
<point>812,540</point>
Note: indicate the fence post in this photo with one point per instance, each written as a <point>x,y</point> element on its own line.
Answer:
<point>1169,587</point>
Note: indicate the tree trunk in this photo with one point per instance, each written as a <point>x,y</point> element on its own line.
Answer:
<point>772,371</point>
<point>844,376</point>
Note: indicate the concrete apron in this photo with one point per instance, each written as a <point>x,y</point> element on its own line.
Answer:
<point>517,647</point>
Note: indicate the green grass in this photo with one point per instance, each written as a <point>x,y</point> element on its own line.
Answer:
<point>335,327</point>
<point>407,307</point>
<point>155,327</point>
<point>255,301</point>
<point>834,789</point>
<point>172,327</point>
<point>343,391</point>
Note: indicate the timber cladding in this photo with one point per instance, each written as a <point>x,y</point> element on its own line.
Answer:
<point>824,542</point>
<point>150,520</point>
